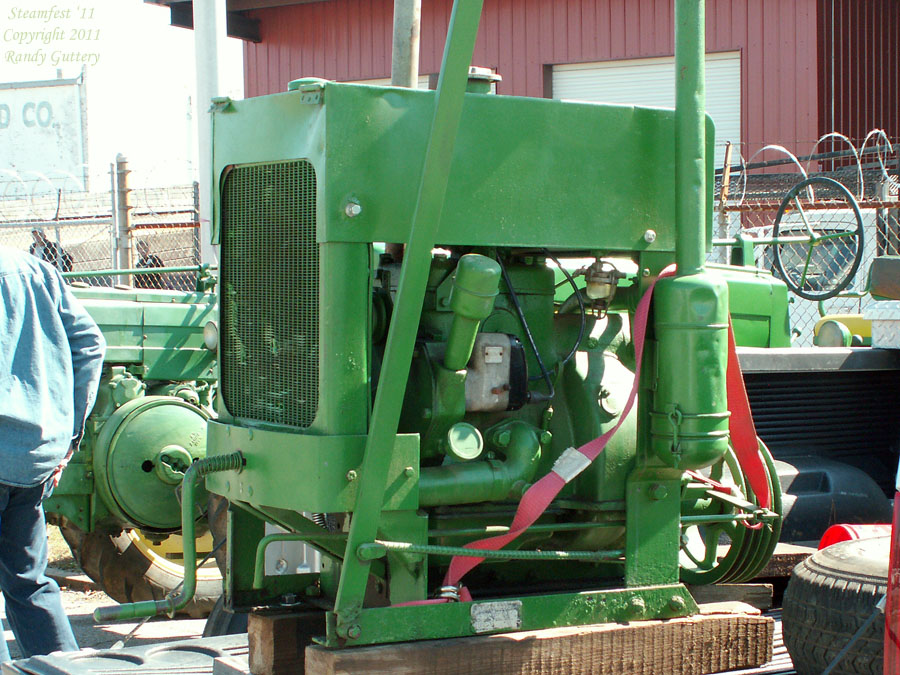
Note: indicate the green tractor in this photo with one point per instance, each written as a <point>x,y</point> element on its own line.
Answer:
<point>117,504</point>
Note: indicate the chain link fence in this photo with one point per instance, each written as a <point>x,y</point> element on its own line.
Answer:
<point>761,196</point>
<point>120,227</point>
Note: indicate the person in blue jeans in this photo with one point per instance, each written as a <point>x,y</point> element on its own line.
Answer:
<point>51,355</point>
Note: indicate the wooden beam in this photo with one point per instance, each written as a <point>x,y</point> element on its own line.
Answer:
<point>181,14</point>
<point>785,558</point>
<point>241,5</point>
<point>688,646</point>
<point>278,639</point>
<point>755,595</point>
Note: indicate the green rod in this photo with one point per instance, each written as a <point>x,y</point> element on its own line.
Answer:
<point>448,106</point>
<point>174,603</point>
<point>724,518</point>
<point>376,549</point>
<point>542,527</point>
<point>690,137</point>
<point>136,270</point>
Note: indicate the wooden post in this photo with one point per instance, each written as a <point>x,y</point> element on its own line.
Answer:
<point>278,640</point>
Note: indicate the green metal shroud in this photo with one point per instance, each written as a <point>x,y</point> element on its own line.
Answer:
<point>339,373</point>
<point>155,394</point>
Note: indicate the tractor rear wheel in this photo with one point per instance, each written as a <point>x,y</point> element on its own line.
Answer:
<point>130,567</point>
<point>830,596</point>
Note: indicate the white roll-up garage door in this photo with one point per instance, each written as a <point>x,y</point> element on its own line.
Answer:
<point>651,82</point>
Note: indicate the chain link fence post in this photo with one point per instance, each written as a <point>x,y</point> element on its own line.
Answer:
<point>123,224</point>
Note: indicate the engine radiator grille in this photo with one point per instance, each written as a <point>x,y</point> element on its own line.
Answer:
<point>269,294</point>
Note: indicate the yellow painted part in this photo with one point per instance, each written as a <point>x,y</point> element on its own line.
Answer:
<point>855,323</point>
<point>169,553</point>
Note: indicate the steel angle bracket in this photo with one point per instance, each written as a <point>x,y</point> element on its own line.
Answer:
<point>506,615</point>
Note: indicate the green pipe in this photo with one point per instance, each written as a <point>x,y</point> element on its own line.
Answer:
<point>541,527</point>
<point>259,567</point>
<point>200,269</point>
<point>484,480</point>
<point>174,603</point>
<point>724,518</point>
<point>379,548</point>
<point>475,286</point>
<point>426,218</point>
<point>690,137</point>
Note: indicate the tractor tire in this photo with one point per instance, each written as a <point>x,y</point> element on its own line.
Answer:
<point>128,571</point>
<point>222,621</point>
<point>217,518</point>
<point>830,595</point>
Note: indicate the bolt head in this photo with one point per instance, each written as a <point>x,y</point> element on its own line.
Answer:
<point>354,632</point>
<point>351,475</point>
<point>352,209</point>
<point>658,492</point>
<point>650,236</point>
<point>409,472</point>
<point>503,438</point>
<point>637,605</point>
<point>677,603</point>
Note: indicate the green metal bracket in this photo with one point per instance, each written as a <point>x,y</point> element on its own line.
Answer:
<point>448,106</point>
<point>653,499</point>
<point>458,619</point>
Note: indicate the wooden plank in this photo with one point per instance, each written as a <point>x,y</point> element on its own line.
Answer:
<point>689,646</point>
<point>755,595</point>
<point>277,640</point>
<point>784,559</point>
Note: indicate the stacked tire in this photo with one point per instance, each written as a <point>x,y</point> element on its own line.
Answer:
<point>829,597</point>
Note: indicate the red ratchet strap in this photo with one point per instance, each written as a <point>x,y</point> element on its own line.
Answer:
<point>741,427</point>
<point>572,462</point>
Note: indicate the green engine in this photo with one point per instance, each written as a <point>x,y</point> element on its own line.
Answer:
<point>393,409</point>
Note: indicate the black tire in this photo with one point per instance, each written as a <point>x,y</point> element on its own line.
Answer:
<point>217,517</point>
<point>830,595</point>
<point>222,621</point>
<point>127,574</point>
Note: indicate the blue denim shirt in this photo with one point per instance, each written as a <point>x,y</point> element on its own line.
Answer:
<point>51,355</point>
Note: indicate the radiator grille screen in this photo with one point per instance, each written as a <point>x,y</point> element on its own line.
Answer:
<point>269,282</point>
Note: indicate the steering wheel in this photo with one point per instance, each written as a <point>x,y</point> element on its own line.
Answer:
<point>818,238</point>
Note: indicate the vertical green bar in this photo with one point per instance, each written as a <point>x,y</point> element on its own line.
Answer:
<point>448,106</point>
<point>690,136</point>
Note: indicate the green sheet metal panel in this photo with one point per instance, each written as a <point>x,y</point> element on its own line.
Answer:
<point>526,172</point>
<point>758,303</point>
<point>329,467</point>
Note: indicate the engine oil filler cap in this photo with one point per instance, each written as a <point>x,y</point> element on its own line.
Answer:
<point>464,441</point>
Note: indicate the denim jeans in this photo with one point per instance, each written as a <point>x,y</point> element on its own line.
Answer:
<point>33,606</point>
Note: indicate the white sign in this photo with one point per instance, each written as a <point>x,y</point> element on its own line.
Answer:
<point>488,617</point>
<point>42,129</point>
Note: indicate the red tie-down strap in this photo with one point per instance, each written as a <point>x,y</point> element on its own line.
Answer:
<point>573,461</point>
